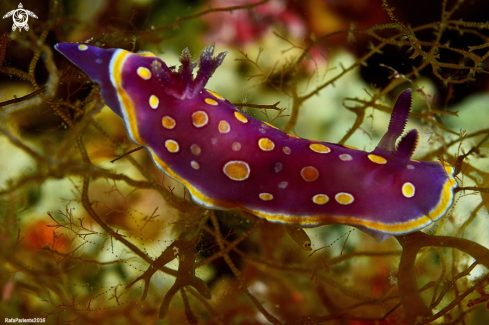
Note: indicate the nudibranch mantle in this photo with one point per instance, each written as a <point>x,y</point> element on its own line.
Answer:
<point>228,159</point>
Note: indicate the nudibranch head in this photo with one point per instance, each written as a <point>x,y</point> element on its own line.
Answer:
<point>95,62</point>
<point>228,159</point>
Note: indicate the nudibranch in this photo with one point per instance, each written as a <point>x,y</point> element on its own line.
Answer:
<point>228,159</point>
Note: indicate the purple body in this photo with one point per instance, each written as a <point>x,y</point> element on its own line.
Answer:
<point>228,159</point>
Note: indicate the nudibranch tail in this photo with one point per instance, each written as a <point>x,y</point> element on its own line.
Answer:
<point>228,159</point>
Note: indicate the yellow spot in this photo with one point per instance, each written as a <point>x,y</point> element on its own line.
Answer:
<point>287,150</point>
<point>309,174</point>
<point>168,122</point>
<point>241,117</point>
<point>210,101</point>
<point>236,146</point>
<point>350,147</point>
<point>408,190</point>
<point>345,157</point>
<point>266,196</point>
<point>319,148</point>
<point>144,73</point>
<point>195,165</point>
<point>82,47</point>
<point>237,170</point>
<point>195,149</point>
<point>344,198</point>
<point>377,159</point>
<point>215,94</point>
<point>154,102</point>
<point>200,119</point>
<point>266,144</point>
<point>320,199</point>
<point>172,146</point>
<point>224,127</point>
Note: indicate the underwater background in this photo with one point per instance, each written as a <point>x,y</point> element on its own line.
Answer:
<point>85,239</point>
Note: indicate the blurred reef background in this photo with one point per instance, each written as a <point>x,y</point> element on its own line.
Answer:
<point>84,240</point>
